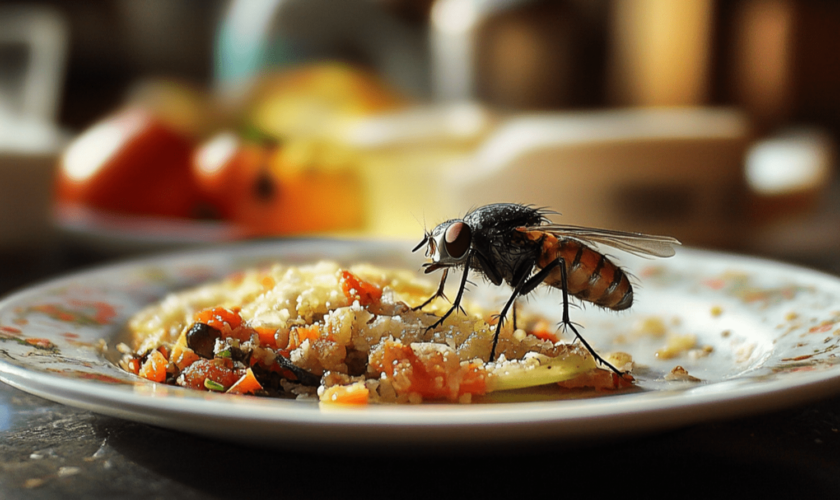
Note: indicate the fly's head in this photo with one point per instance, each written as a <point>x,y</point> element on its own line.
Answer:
<point>447,245</point>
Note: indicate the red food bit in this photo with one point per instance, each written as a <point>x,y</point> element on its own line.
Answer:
<point>355,288</point>
<point>542,332</point>
<point>40,343</point>
<point>224,320</point>
<point>247,384</point>
<point>154,368</point>
<point>297,336</point>
<point>821,328</point>
<point>474,380</point>
<point>133,365</point>
<point>241,332</point>
<point>267,336</point>
<point>715,283</point>
<point>185,358</point>
<point>429,375</point>
<point>218,370</point>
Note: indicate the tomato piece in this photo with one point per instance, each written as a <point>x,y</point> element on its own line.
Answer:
<point>220,371</point>
<point>219,318</point>
<point>474,380</point>
<point>247,384</point>
<point>154,368</point>
<point>542,331</point>
<point>355,288</point>
<point>133,163</point>
<point>302,333</point>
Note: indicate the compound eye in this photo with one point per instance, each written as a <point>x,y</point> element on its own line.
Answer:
<point>457,239</point>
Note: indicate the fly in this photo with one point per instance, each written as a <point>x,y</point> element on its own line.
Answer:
<point>518,245</point>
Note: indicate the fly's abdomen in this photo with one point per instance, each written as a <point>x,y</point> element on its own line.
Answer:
<point>590,275</point>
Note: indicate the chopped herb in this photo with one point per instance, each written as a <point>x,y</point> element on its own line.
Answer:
<point>213,386</point>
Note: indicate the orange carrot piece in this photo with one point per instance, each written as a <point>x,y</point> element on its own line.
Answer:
<point>298,335</point>
<point>267,336</point>
<point>474,380</point>
<point>353,394</point>
<point>248,384</point>
<point>217,317</point>
<point>355,288</point>
<point>154,368</point>
<point>542,331</point>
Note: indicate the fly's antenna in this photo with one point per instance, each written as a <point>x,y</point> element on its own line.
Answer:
<point>426,237</point>
<point>426,233</point>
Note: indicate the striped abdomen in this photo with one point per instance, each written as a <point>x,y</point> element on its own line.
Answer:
<point>591,276</point>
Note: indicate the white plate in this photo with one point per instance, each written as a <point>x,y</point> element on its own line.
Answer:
<point>772,329</point>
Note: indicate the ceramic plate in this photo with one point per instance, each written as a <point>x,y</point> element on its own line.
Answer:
<point>760,335</point>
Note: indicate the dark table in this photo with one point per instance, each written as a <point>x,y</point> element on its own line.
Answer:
<point>48,450</point>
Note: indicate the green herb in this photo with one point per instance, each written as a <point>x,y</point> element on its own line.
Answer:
<point>213,386</point>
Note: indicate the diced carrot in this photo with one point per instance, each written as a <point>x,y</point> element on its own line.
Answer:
<point>300,334</point>
<point>134,365</point>
<point>242,333</point>
<point>185,358</point>
<point>474,380</point>
<point>154,368</point>
<point>267,336</point>
<point>163,350</point>
<point>248,384</point>
<point>542,331</point>
<point>218,370</point>
<point>353,394</point>
<point>355,288</point>
<point>218,317</point>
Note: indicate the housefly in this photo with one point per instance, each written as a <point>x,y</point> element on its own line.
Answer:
<point>518,245</point>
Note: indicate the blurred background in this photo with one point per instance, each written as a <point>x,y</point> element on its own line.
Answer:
<point>130,126</point>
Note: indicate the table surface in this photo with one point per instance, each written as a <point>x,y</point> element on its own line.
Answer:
<point>48,450</point>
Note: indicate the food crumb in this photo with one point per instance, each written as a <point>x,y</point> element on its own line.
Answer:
<point>68,471</point>
<point>791,316</point>
<point>702,352</point>
<point>651,325</point>
<point>34,482</point>
<point>716,311</point>
<point>725,333</point>
<point>680,373</point>
<point>676,345</point>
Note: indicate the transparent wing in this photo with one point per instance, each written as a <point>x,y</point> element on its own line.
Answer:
<point>644,245</point>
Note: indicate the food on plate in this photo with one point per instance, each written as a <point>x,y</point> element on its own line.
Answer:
<point>348,335</point>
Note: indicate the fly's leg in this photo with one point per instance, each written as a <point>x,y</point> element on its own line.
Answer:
<point>526,285</point>
<point>513,313</point>
<point>457,303</point>
<point>437,294</point>
<point>566,323</point>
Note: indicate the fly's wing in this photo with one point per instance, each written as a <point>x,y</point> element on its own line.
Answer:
<point>644,245</point>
